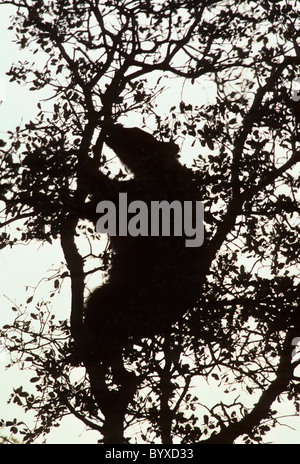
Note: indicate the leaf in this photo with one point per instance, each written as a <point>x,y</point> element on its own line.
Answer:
<point>34,379</point>
<point>17,401</point>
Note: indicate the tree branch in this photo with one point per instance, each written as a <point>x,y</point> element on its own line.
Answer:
<point>262,407</point>
<point>237,200</point>
<point>75,265</point>
<point>79,416</point>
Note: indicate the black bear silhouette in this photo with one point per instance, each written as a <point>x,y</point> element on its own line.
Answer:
<point>153,280</point>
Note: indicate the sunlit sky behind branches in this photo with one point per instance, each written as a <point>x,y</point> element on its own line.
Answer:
<point>22,268</point>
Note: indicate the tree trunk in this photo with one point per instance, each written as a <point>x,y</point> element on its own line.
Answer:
<point>113,404</point>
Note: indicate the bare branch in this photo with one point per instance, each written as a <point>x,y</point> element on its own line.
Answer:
<point>262,408</point>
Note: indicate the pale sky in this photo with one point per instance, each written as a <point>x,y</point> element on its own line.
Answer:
<point>26,265</point>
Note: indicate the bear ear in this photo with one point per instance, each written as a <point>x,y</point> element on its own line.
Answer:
<point>171,147</point>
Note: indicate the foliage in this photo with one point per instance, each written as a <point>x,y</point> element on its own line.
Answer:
<point>101,59</point>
